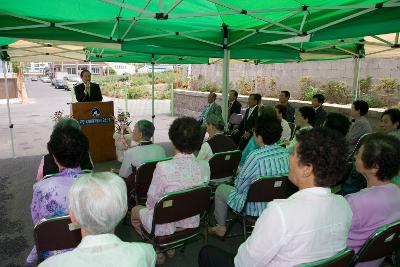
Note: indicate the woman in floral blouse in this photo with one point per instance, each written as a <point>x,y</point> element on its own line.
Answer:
<point>182,172</point>
<point>50,196</point>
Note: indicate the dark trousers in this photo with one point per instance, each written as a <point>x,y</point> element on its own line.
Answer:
<point>211,256</point>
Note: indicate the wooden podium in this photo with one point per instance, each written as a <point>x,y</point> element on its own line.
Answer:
<point>97,123</point>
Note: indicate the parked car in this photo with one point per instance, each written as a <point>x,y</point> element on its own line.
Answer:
<point>59,83</point>
<point>46,79</point>
<point>34,79</point>
<point>72,80</point>
<point>53,81</point>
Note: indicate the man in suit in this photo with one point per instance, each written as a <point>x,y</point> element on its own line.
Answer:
<point>243,134</point>
<point>320,113</point>
<point>284,100</point>
<point>210,108</point>
<point>234,107</point>
<point>87,91</point>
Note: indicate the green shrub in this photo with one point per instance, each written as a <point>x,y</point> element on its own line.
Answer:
<point>336,92</point>
<point>308,93</point>
<point>245,87</point>
<point>374,102</point>
<point>387,86</point>
<point>365,85</point>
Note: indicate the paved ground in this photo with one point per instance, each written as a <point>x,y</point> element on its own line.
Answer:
<point>33,124</point>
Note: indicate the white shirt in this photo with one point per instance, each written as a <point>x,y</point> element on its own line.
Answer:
<point>105,250</point>
<point>205,152</point>
<point>137,155</point>
<point>310,225</point>
<point>286,131</point>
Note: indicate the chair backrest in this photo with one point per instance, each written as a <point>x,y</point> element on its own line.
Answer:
<point>265,189</point>
<point>341,259</point>
<point>179,205</point>
<point>224,164</point>
<point>292,126</point>
<point>358,145</point>
<point>235,118</point>
<point>382,243</point>
<point>55,234</point>
<point>143,178</point>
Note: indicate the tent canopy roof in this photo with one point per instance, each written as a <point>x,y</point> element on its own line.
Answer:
<point>198,27</point>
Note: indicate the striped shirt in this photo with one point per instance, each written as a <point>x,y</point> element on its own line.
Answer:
<point>270,160</point>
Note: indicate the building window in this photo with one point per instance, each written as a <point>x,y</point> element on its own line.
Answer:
<point>95,70</point>
<point>71,70</point>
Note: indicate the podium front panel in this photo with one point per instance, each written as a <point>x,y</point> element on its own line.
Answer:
<point>97,123</point>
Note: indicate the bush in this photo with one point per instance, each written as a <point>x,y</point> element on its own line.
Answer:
<point>273,92</point>
<point>366,85</point>
<point>374,102</point>
<point>388,86</point>
<point>245,87</point>
<point>336,92</point>
<point>308,93</point>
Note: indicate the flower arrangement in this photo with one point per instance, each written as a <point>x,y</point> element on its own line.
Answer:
<point>122,119</point>
<point>59,114</point>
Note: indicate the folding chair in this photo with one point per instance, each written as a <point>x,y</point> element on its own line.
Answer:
<point>176,206</point>
<point>341,259</point>
<point>384,242</point>
<point>358,145</point>
<point>142,180</point>
<point>223,166</point>
<point>263,189</point>
<point>55,233</point>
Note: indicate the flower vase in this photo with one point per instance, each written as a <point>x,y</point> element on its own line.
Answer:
<point>122,143</point>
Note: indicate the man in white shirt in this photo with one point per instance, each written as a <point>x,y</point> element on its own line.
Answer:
<point>145,150</point>
<point>310,225</point>
<point>97,204</point>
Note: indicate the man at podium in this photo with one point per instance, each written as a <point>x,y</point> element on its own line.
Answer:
<point>87,91</point>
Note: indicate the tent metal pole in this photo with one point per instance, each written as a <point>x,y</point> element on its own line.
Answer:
<point>152,88</point>
<point>225,78</point>
<point>10,125</point>
<point>356,92</point>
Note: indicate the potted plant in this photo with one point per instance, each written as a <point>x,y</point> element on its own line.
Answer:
<point>123,138</point>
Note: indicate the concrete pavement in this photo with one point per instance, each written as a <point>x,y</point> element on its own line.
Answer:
<point>33,124</point>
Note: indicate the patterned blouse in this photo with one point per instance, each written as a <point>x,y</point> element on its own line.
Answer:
<point>50,198</point>
<point>182,172</point>
<point>270,160</point>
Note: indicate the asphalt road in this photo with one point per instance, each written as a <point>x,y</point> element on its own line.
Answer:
<point>33,124</point>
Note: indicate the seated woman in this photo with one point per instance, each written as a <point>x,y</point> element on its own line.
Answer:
<point>286,131</point>
<point>217,141</point>
<point>378,160</point>
<point>48,166</point>
<point>269,160</point>
<point>50,196</point>
<point>304,119</point>
<point>97,204</point>
<point>310,225</point>
<point>263,111</point>
<point>182,172</point>
<point>390,122</point>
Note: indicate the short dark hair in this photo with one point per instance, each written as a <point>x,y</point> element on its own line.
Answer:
<point>287,93</point>
<point>394,115</point>
<point>308,113</point>
<point>185,134</point>
<point>325,151</point>
<point>83,71</point>
<point>320,98</point>
<point>338,122</point>
<point>146,128</point>
<point>269,128</point>
<point>235,93</point>
<point>382,151</point>
<point>216,120</point>
<point>68,145</point>
<point>361,106</point>
<point>257,97</point>
<point>282,109</point>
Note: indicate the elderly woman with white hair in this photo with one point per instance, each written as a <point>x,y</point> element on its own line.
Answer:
<point>98,203</point>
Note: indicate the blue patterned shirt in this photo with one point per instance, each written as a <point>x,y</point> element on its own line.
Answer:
<point>270,160</point>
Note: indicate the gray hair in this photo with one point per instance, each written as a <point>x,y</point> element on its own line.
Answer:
<point>65,121</point>
<point>146,128</point>
<point>98,201</point>
<point>216,120</point>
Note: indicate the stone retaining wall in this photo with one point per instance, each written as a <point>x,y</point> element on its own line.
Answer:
<point>190,103</point>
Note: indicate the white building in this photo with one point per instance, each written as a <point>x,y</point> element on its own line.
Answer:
<point>122,68</point>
